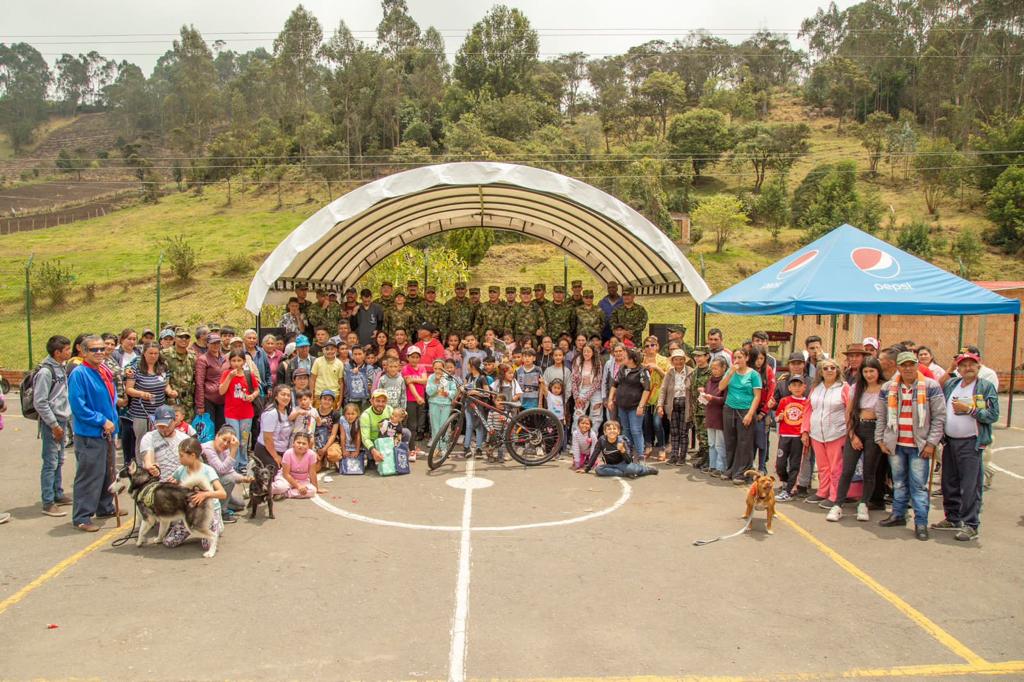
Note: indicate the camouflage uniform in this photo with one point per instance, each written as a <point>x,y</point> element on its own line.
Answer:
<point>509,308</point>
<point>700,379</point>
<point>181,376</point>
<point>328,317</point>
<point>526,319</point>
<point>576,299</point>
<point>491,316</point>
<point>558,317</point>
<point>413,302</point>
<point>405,318</point>
<point>634,319</point>
<point>435,313</point>
<point>589,320</point>
<point>476,306</point>
<point>460,313</point>
<point>386,302</point>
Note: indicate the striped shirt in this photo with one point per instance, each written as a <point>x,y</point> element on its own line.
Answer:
<point>150,383</point>
<point>905,431</point>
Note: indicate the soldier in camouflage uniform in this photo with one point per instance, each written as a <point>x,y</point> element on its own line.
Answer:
<point>400,316</point>
<point>589,318</point>
<point>324,313</point>
<point>577,293</point>
<point>510,306</point>
<point>474,299</point>
<point>491,314</point>
<point>701,374</point>
<point>527,319</point>
<point>460,312</point>
<point>631,315</point>
<point>181,372</point>
<point>433,312</point>
<point>413,300</point>
<point>677,334</point>
<point>386,298</point>
<point>539,291</point>
<point>559,317</point>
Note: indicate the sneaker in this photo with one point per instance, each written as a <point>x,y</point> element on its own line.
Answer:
<point>63,501</point>
<point>966,534</point>
<point>54,510</point>
<point>739,481</point>
<point>826,504</point>
<point>412,455</point>
<point>813,499</point>
<point>862,512</point>
<point>835,513</point>
<point>4,517</point>
<point>945,524</point>
<point>801,491</point>
<point>921,532</point>
<point>783,496</point>
<point>892,520</point>
<point>229,517</point>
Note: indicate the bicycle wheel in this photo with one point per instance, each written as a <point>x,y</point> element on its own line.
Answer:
<point>444,442</point>
<point>533,437</point>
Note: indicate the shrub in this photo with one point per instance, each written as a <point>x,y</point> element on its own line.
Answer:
<point>53,280</point>
<point>1006,209</point>
<point>182,256</point>
<point>238,264</point>
<point>916,239</point>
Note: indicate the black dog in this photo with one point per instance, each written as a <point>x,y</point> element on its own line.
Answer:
<point>259,489</point>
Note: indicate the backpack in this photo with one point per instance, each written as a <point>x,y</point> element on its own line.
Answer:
<point>259,402</point>
<point>27,391</point>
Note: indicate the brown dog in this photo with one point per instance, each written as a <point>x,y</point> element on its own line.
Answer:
<point>761,497</point>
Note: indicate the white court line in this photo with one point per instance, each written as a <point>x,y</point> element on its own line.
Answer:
<point>999,468</point>
<point>459,643</point>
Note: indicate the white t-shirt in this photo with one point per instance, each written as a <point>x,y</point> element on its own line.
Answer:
<point>961,425</point>
<point>165,451</point>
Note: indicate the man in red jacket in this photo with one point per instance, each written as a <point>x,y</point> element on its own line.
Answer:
<point>209,367</point>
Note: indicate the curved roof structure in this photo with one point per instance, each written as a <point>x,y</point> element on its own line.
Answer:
<point>338,244</point>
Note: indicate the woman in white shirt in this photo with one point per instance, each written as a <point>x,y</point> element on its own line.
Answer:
<point>825,422</point>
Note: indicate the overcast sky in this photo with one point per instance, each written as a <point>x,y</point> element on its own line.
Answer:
<point>591,26</point>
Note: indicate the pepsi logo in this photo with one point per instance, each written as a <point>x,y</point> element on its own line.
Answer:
<point>797,263</point>
<point>875,262</point>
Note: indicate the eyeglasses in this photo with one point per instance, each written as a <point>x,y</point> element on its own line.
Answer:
<point>829,369</point>
<point>651,345</point>
<point>184,336</point>
<point>96,349</point>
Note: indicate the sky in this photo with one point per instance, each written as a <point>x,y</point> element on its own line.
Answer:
<point>140,31</point>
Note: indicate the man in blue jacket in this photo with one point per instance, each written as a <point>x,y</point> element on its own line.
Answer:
<point>93,400</point>
<point>972,406</point>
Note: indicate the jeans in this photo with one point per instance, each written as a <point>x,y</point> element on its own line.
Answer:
<point>761,429</point>
<point>92,480</point>
<point>475,425</point>
<point>962,477</point>
<point>739,442</point>
<point>127,439</point>
<point>53,460</point>
<point>654,430</point>
<point>909,480</point>
<point>243,431</point>
<point>630,470</point>
<point>716,449</point>
<point>633,429</point>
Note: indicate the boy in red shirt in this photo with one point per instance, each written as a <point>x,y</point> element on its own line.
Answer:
<point>790,417</point>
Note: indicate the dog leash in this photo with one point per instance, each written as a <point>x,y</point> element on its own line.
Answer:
<point>744,529</point>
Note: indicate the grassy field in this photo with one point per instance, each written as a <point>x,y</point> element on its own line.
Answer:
<point>114,258</point>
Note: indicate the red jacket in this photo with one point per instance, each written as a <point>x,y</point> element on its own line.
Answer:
<point>208,373</point>
<point>432,350</point>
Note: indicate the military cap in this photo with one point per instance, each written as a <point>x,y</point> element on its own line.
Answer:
<point>701,350</point>
<point>677,328</point>
<point>474,290</point>
<point>431,289</point>
<point>493,290</point>
<point>540,287</point>
<point>510,290</point>
<point>524,290</point>
<point>181,331</point>
<point>627,291</point>
<point>460,285</point>
<point>559,289</point>
<point>588,293</point>
<point>412,283</point>
<point>399,292</point>
<point>214,326</point>
<point>577,283</point>
<point>387,284</point>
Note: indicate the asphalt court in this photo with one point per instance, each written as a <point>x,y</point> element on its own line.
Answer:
<point>543,574</point>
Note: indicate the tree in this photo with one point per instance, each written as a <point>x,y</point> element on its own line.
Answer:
<point>642,188</point>
<point>828,197</point>
<point>916,238</point>
<point>1006,209</point>
<point>772,207</point>
<point>769,63</point>
<point>774,146</point>
<point>873,137</point>
<point>967,250</point>
<point>663,92</point>
<point>701,134</point>
<point>848,86</point>
<point>515,116</point>
<point>397,33</point>
<point>24,79</point>
<point>1002,144</point>
<point>444,265</point>
<point>296,70</point>
<point>192,107</point>
<point>608,78</point>
<point>938,166</point>
<point>722,215</point>
<point>470,244</point>
<point>572,68</point>
<point>500,53</point>
<point>68,163</point>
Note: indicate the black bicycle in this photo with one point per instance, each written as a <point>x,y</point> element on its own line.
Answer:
<point>530,437</point>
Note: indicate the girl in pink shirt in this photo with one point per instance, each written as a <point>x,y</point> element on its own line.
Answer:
<point>297,475</point>
<point>415,375</point>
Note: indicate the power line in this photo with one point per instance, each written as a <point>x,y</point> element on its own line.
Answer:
<point>696,54</point>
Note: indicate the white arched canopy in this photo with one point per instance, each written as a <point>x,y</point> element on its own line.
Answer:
<point>338,244</point>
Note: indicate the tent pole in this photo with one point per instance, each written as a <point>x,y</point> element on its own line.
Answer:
<point>835,326</point>
<point>696,324</point>
<point>878,329</point>
<point>1013,360</point>
<point>960,334</point>
<point>792,348</point>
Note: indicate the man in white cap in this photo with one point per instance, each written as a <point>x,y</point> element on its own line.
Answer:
<point>871,345</point>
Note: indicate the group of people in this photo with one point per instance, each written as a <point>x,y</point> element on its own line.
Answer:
<point>336,376</point>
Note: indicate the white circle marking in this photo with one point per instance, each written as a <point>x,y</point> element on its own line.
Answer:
<point>469,482</point>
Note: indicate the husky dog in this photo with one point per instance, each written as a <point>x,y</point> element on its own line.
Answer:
<point>259,489</point>
<point>165,503</point>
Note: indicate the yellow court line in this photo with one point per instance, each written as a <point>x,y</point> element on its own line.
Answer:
<point>925,623</point>
<point>57,569</point>
<point>937,670</point>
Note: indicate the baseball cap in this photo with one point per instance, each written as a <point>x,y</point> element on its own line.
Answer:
<point>379,392</point>
<point>163,415</point>
<point>301,341</point>
<point>413,349</point>
<point>289,349</point>
<point>329,392</point>
<point>795,379</point>
<point>167,334</point>
<point>300,372</point>
<point>797,356</point>
<point>213,337</point>
<point>968,356</point>
<point>906,356</point>
<point>147,332</point>
<point>871,341</point>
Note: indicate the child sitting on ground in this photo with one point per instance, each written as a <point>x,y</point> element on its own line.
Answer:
<point>584,440</point>
<point>325,439</point>
<point>190,453</point>
<point>221,454</point>
<point>297,475</point>
<point>614,450</point>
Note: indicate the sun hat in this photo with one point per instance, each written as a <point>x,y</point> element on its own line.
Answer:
<point>678,353</point>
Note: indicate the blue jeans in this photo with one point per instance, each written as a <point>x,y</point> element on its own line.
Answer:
<point>716,449</point>
<point>475,425</point>
<point>633,430</point>
<point>909,480</point>
<point>761,429</point>
<point>53,460</point>
<point>242,427</point>
<point>631,470</point>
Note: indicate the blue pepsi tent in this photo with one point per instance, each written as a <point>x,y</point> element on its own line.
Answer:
<point>850,272</point>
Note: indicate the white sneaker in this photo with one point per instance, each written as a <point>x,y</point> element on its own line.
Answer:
<point>835,513</point>
<point>862,512</point>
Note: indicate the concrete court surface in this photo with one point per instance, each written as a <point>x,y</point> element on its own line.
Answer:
<point>543,573</point>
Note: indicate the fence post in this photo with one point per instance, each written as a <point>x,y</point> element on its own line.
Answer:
<point>426,267</point>
<point>159,263</point>
<point>835,327</point>
<point>28,306</point>
<point>565,272</point>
